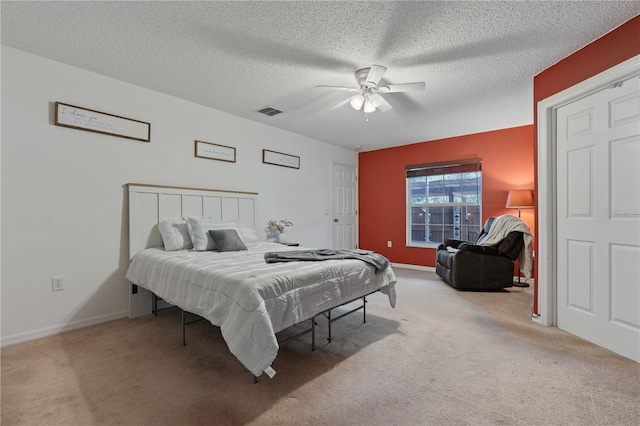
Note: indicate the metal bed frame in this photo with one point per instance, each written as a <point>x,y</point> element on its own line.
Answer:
<point>311,329</point>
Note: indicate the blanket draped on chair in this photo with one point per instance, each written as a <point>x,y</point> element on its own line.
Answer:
<point>500,228</point>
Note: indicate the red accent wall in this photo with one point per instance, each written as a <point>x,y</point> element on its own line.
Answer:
<point>611,49</point>
<point>507,163</point>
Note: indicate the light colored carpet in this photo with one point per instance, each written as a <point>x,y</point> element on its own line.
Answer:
<point>441,357</point>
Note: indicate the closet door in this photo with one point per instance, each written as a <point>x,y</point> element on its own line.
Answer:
<point>598,218</point>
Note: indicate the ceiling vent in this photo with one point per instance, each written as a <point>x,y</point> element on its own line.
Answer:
<point>269,111</point>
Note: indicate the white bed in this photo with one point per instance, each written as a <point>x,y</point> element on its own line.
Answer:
<point>249,299</point>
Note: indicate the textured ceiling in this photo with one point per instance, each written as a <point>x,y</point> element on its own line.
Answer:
<point>478,59</point>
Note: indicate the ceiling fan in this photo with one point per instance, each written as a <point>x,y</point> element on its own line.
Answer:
<point>368,95</point>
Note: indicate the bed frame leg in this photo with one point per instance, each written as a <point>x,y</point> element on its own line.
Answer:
<point>313,334</point>
<point>329,319</point>
<point>364,309</point>
<point>154,304</point>
<point>255,380</point>
<point>184,331</point>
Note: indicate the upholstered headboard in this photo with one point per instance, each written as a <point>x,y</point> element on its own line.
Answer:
<point>149,204</point>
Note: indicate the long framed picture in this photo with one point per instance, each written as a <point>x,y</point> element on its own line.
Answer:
<point>213,151</point>
<point>90,120</point>
<point>280,159</point>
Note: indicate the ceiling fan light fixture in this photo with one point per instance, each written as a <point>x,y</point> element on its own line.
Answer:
<point>368,106</point>
<point>357,101</point>
<point>376,100</point>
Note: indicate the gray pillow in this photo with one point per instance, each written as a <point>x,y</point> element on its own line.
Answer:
<point>227,240</point>
<point>198,227</point>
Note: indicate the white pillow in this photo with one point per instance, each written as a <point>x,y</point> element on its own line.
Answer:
<point>175,234</point>
<point>199,231</point>
<point>248,232</point>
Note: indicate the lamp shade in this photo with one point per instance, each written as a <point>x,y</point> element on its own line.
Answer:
<point>518,198</point>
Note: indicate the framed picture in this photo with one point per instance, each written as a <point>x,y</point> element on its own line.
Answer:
<point>76,117</point>
<point>280,159</point>
<point>213,151</point>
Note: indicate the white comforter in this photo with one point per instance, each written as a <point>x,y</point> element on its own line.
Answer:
<point>249,299</point>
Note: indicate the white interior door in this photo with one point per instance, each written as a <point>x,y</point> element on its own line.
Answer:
<point>344,183</point>
<point>598,218</point>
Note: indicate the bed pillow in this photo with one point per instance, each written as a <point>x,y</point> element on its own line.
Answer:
<point>199,231</point>
<point>248,232</point>
<point>175,234</point>
<point>227,240</point>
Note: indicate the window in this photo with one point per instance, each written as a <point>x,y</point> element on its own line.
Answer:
<point>444,200</point>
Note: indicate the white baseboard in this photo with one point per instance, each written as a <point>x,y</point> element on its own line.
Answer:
<point>60,328</point>
<point>538,320</point>
<point>416,267</point>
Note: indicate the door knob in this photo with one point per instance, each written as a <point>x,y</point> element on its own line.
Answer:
<point>335,219</point>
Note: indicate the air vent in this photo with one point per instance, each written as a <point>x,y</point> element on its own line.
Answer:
<point>269,111</point>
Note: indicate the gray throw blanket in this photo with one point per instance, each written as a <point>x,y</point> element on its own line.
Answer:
<point>379,262</point>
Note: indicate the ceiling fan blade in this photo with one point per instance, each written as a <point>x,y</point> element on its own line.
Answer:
<point>375,74</point>
<point>380,103</point>
<point>346,89</point>
<point>403,87</point>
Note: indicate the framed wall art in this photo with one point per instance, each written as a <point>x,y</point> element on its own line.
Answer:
<point>90,120</point>
<point>213,151</point>
<point>280,159</point>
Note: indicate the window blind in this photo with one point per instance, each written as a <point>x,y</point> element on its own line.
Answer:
<point>445,167</point>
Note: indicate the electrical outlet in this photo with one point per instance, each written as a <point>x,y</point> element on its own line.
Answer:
<point>388,243</point>
<point>57,283</point>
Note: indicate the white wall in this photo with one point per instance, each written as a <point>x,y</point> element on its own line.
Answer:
<point>64,210</point>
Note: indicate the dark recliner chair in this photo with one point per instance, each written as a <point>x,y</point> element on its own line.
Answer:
<point>477,267</point>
